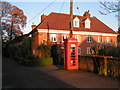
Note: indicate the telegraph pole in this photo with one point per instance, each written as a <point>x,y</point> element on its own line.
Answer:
<point>71,19</point>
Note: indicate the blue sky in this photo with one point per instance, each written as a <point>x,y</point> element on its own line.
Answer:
<point>31,9</point>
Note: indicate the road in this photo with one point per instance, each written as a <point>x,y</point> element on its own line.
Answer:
<point>17,76</point>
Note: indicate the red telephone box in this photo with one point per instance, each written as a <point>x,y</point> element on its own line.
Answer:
<point>71,53</point>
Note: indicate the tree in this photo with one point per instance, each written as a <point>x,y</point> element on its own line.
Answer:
<point>12,21</point>
<point>106,49</point>
<point>109,6</point>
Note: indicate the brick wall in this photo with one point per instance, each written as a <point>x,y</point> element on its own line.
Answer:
<point>38,38</point>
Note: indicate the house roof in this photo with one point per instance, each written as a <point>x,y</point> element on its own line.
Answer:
<point>60,21</point>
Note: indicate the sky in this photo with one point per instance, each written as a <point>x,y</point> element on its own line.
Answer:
<point>34,8</point>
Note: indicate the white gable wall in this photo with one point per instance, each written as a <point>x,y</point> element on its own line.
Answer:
<point>76,22</point>
<point>87,23</point>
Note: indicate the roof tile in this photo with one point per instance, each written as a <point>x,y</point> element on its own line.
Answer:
<point>62,22</point>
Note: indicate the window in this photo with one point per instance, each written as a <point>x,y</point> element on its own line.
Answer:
<point>87,23</point>
<point>79,50</point>
<point>89,39</point>
<point>99,39</point>
<point>53,37</point>
<point>88,50</point>
<point>107,39</point>
<point>64,37</point>
<point>78,38</point>
<point>76,22</point>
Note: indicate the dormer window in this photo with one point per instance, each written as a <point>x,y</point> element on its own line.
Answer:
<point>87,23</point>
<point>76,22</point>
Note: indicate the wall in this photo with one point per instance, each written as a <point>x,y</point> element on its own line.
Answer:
<point>83,44</point>
<point>35,43</point>
<point>102,65</point>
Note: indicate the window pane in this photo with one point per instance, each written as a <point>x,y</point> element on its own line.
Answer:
<point>64,37</point>
<point>53,37</point>
<point>89,39</point>
<point>99,39</point>
<point>88,50</point>
<point>76,23</point>
<point>79,50</point>
<point>107,39</point>
<point>77,37</point>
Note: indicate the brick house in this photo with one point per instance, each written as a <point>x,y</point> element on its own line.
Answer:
<point>87,30</point>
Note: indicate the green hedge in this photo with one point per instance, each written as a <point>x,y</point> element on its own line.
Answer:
<point>45,61</point>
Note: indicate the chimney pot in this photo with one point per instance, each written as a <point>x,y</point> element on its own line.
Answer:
<point>87,14</point>
<point>33,25</point>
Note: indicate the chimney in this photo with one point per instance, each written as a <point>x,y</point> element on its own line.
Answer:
<point>43,17</point>
<point>87,14</point>
<point>33,25</point>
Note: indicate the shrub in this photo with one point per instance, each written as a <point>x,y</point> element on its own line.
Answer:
<point>31,62</point>
<point>46,61</point>
<point>44,51</point>
<point>106,49</point>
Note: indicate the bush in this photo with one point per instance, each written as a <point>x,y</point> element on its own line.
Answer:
<point>106,49</point>
<point>44,51</point>
<point>45,61</point>
<point>31,62</point>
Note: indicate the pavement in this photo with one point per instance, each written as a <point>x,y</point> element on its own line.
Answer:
<point>79,78</point>
<point>18,76</point>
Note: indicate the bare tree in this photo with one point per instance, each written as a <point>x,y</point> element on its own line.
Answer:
<point>106,49</point>
<point>12,21</point>
<point>109,6</point>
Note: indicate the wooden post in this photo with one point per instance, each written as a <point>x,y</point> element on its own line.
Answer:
<point>71,18</point>
<point>105,66</point>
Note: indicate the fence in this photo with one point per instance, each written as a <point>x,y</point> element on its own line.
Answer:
<point>102,65</point>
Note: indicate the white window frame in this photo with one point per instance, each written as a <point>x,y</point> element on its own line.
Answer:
<point>78,38</point>
<point>53,37</point>
<point>89,39</point>
<point>88,50</point>
<point>99,39</point>
<point>79,50</point>
<point>65,37</point>
<point>107,39</point>
<point>76,22</point>
<point>87,23</point>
